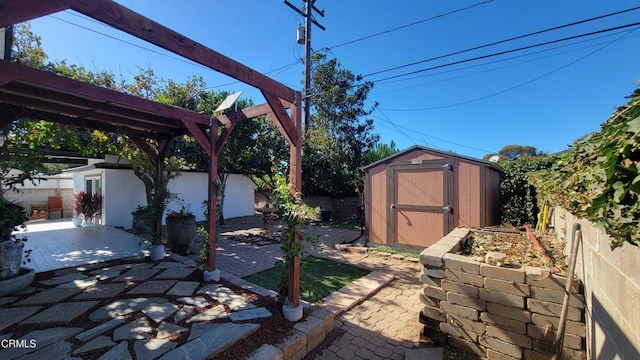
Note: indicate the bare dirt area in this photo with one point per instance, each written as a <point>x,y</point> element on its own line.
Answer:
<point>518,248</point>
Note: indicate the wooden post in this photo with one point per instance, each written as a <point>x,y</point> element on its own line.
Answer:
<point>295,180</point>
<point>213,199</point>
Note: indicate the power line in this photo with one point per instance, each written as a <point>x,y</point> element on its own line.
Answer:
<point>509,51</point>
<point>494,62</point>
<point>388,120</point>
<point>504,41</point>
<point>409,25</point>
<point>523,83</point>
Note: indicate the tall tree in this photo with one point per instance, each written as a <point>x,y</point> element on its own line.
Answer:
<point>380,151</point>
<point>339,134</point>
<point>512,152</point>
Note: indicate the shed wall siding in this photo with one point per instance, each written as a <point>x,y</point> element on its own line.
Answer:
<point>475,197</point>
<point>466,194</point>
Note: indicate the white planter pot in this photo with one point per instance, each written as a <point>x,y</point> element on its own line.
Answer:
<point>77,221</point>
<point>292,314</point>
<point>157,252</point>
<point>213,275</point>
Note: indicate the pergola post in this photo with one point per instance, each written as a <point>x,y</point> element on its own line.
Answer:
<point>212,274</point>
<point>293,309</point>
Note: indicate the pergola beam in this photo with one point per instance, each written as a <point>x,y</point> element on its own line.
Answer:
<point>14,12</point>
<point>25,75</point>
<point>126,20</point>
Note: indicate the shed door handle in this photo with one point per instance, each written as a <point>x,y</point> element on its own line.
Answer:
<point>393,206</point>
<point>447,208</point>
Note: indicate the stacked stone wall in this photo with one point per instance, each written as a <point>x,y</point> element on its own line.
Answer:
<point>493,312</point>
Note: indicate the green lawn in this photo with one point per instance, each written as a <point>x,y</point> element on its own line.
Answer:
<point>323,276</point>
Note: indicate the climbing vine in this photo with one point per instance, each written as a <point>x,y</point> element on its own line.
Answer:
<point>294,213</point>
<point>598,178</point>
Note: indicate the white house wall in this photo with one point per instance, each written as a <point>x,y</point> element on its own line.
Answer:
<point>123,191</point>
<point>239,196</point>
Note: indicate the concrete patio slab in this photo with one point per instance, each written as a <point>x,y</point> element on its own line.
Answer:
<point>184,311</point>
<point>167,329</point>
<point>152,287</point>
<point>245,315</point>
<point>215,313</point>
<point>104,291</point>
<point>137,330</point>
<point>183,288</point>
<point>49,296</point>
<point>159,312</point>
<point>12,316</point>
<point>123,307</point>
<point>118,352</point>
<point>212,342</point>
<point>95,344</point>
<point>95,331</point>
<point>175,273</point>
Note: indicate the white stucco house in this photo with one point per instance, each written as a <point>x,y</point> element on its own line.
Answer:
<point>122,191</point>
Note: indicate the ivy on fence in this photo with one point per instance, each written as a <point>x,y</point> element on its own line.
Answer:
<point>598,178</point>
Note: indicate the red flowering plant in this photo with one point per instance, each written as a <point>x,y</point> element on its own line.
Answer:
<point>184,212</point>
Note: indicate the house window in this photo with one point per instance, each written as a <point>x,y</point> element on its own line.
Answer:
<point>93,184</point>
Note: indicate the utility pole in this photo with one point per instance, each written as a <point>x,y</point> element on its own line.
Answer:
<point>308,19</point>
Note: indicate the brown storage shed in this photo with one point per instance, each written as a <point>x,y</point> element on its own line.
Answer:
<point>415,197</point>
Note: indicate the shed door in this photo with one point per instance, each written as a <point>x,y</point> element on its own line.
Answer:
<point>420,202</point>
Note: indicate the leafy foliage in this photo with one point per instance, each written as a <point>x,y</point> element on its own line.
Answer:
<point>518,197</point>
<point>379,152</point>
<point>294,213</point>
<point>512,152</point>
<point>12,216</point>
<point>598,177</point>
<point>339,134</point>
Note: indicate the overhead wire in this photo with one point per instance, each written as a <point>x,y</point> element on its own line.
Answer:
<point>523,83</point>
<point>504,41</point>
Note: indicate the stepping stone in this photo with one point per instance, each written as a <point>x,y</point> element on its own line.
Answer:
<point>167,329</point>
<point>199,329</point>
<point>184,311</point>
<point>95,344</point>
<point>137,330</point>
<point>424,354</point>
<point>136,275</point>
<point>106,275</point>
<point>7,299</point>
<point>169,265</point>
<point>159,312</point>
<point>258,313</point>
<point>61,313</point>
<point>209,289</point>
<point>91,333</point>
<point>60,350</point>
<point>226,296</point>
<point>49,296</point>
<point>215,313</point>
<point>118,352</point>
<point>152,349</point>
<point>198,301</point>
<point>101,291</point>
<point>181,288</point>
<point>12,316</point>
<point>123,307</point>
<point>152,287</point>
<point>177,273</point>
<point>63,279</point>
<point>78,284</point>
<point>212,342</point>
<point>42,338</point>
<point>27,290</point>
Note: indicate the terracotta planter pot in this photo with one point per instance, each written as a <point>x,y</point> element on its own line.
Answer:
<point>10,259</point>
<point>181,233</point>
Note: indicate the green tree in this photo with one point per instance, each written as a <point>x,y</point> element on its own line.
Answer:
<point>379,152</point>
<point>512,152</point>
<point>339,134</point>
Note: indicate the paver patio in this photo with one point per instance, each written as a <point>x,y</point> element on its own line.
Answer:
<point>363,331</point>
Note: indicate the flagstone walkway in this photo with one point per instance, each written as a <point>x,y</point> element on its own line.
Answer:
<point>159,307</point>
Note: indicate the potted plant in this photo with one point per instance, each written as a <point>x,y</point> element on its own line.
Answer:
<point>181,230</point>
<point>13,277</point>
<point>141,220</point>
<point>77,210</point>
<point>90,206</point>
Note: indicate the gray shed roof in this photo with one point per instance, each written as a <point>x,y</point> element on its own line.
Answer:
<point>390,159</point>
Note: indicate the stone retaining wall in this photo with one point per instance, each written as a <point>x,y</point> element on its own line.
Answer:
<point>496,312</point>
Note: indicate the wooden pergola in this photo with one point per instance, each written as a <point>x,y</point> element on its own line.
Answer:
<point>28,92</point>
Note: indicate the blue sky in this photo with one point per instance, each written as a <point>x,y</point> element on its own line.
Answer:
<point>546,96</point>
